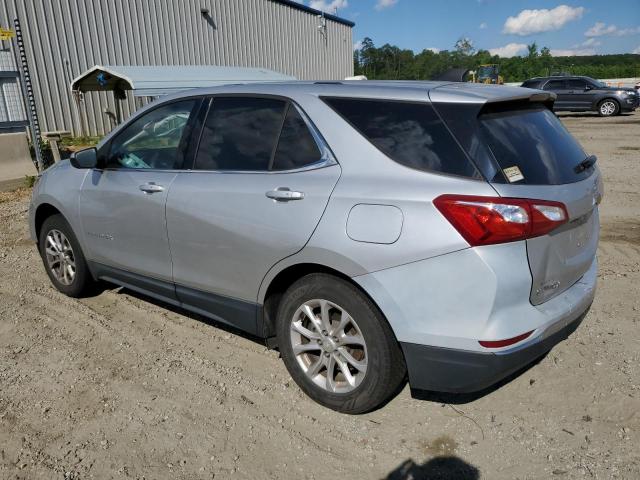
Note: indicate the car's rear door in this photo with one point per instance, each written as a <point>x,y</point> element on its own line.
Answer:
<point>122,205</point>
<point>260,183</point>
<point>559,87</point>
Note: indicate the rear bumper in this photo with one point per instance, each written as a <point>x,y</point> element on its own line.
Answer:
<point>439,310</point>
<point>460,371</point>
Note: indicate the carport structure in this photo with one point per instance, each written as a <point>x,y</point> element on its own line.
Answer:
<point>154,81</point>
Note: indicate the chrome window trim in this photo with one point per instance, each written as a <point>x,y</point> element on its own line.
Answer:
<point>327,158</point>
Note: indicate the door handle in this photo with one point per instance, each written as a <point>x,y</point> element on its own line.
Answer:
<point>283,194</point>
<point>151,188</point>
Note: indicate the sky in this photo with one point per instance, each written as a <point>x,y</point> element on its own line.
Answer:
<point>503,27</point>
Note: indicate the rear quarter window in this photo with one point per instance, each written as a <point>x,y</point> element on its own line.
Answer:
<point>410,133</point>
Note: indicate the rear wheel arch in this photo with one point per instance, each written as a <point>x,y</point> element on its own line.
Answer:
<point>287,277</point>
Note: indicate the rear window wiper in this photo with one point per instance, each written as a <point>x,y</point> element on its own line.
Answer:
<point>587,163</point>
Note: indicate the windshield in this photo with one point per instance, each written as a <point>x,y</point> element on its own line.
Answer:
<point>533,143</point>
<point>597,83</point>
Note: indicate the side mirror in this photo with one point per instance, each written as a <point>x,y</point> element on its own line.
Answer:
<point>87,158</point>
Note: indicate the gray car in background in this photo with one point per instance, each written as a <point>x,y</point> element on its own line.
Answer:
<point>584,94</point>
<point>371,231</point>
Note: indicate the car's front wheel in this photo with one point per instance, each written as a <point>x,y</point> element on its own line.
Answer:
<point>63,259</point>
<point>608,108</point>
<point>337,345</point>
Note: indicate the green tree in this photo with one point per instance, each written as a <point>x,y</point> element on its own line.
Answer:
<point>391,62</point>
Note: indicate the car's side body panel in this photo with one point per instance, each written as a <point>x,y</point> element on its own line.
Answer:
<point>124,227</point>
<point>225,233</point>
<point>60,187</point>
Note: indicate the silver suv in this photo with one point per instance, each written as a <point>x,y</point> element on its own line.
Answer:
<point>371,231</point>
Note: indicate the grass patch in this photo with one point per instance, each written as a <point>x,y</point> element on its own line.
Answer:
<point>30,180</point>
<point>86,141</point>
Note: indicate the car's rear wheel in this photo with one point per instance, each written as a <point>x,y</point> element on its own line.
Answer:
<point>608,107</point>
<point>337,345</point>
<point>63,259</point>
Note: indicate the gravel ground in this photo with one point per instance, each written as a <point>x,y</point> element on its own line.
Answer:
<point>118,386</point>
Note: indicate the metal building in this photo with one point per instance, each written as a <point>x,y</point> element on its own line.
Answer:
<point>64,38</point>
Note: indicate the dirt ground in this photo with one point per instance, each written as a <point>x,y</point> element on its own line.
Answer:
<point>118,386</point>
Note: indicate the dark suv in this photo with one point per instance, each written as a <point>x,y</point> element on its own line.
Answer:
<point>579,94</point>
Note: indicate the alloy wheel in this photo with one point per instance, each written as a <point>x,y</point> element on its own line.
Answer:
<point>60,258</point>
<point>608,108</point>
<point>329,346</point>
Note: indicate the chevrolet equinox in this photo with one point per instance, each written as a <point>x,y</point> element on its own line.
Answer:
<point>373,232</point>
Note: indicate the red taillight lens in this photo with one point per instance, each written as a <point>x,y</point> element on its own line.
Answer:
<point>504,343</point>
<point>490,220</point>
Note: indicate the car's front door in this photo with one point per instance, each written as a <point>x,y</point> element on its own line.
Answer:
<point>581,96</point>
<point>261,181</point>
<point>122,205</point>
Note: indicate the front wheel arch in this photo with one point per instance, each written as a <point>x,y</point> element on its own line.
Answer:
<point>615,102</point>
<point>44,211</point>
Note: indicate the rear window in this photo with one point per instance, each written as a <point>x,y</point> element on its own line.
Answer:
<point>409,133</point>
<point>554,85</point>
<point>532,84</point>
<point>296,147</point>
<point>535,141</point>
<point>240,133</point>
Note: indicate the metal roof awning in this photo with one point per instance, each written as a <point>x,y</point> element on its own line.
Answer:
<point>153,81</point>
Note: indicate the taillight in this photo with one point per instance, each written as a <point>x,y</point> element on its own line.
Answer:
<point>490,220</point>
<point>504,343</point>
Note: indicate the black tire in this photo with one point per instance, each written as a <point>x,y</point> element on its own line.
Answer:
<point>608,112</point>
<point>385,372</point>
<point>82,283</point>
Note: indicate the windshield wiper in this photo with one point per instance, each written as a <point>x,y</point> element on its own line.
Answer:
<point>587,163</point>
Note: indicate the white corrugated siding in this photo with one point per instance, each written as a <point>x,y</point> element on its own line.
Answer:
<point>66,37</point>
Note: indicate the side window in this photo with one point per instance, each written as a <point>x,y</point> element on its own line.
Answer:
<point>240,133</point>
<point>576,84</point>
<point>296,146</point>
<point>154,140</point>
<point>554,85</point>
<point>409,133</point>
<point>531,84</point>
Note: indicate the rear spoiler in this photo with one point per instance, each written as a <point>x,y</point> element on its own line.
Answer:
<point>490,96</point>
<point>519,102</point>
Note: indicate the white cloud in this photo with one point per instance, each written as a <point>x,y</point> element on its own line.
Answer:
<point>437,50</point>
<point>543,20</point>
<point>510,50</point>
<point>328,5</point>
<point>589,42</point>
<point>382,4</point>
<point>357,45</point>
<point>572,52</point>
<point>482,26</point>
<point>637,50</point>
<point>601,29</point>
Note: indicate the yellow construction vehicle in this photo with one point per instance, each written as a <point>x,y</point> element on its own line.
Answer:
<point>488,73</point>
<point>6,34</point>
